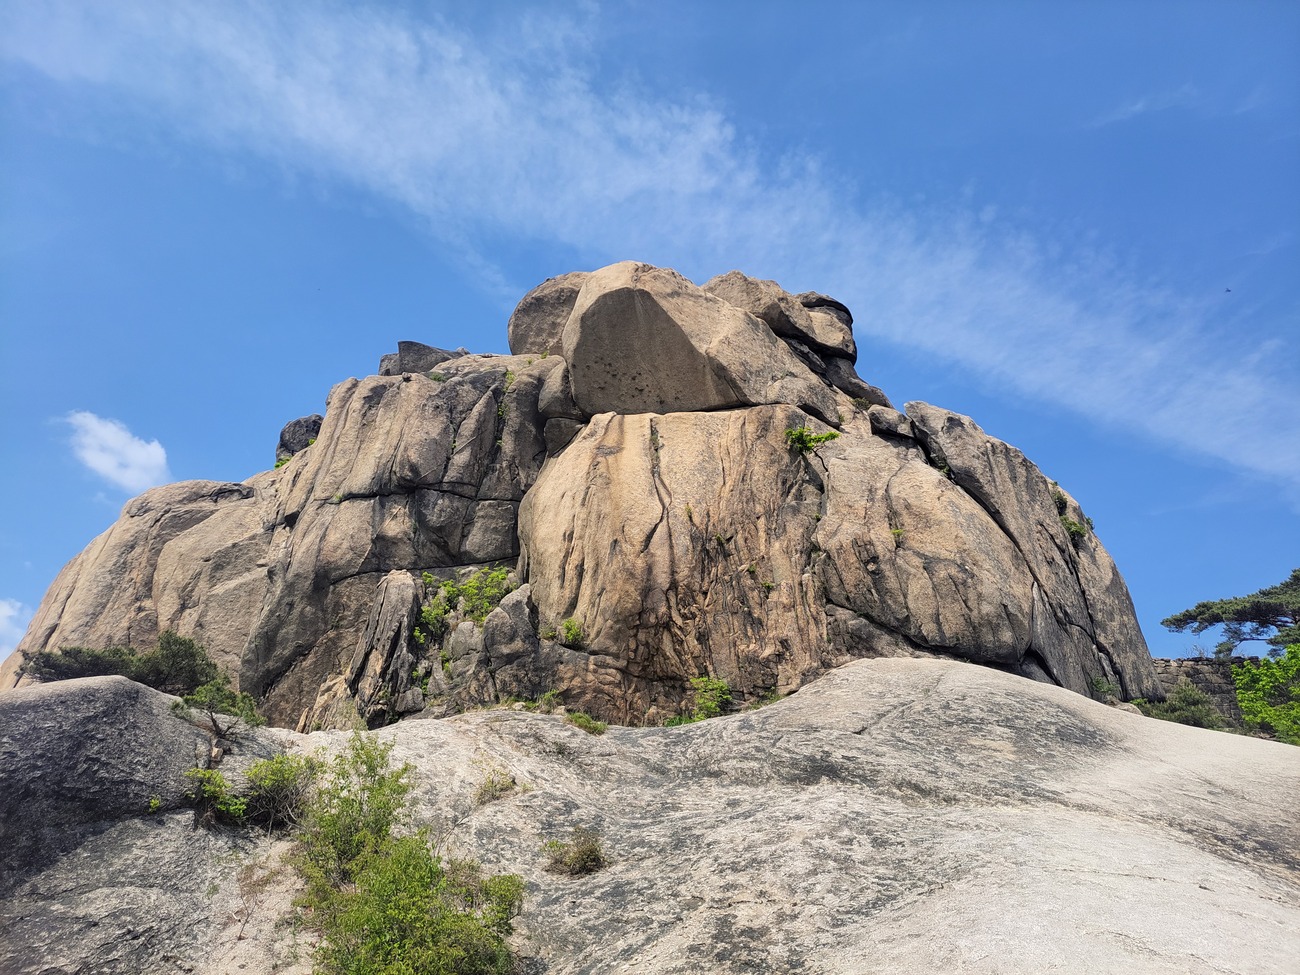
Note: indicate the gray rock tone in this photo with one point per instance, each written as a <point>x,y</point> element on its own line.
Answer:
<point>630,465</point>
<point>896,815</point>
<point>101,866</point>
<point>297,435</point>
<point>536,326</point>
<point>415,357</point>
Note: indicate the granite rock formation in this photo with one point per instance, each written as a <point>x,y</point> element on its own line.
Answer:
<point>629,463</point>
<point>897,815</point>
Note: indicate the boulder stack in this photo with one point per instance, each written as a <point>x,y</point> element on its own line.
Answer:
<point>636,465</point>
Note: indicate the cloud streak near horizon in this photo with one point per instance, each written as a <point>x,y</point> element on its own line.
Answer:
<point>517,133</point>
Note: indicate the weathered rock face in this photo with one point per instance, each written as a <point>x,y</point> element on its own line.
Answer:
<point>630,464</point>
<point>903,816</point>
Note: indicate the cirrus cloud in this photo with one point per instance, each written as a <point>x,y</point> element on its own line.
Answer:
<point>512,131</point>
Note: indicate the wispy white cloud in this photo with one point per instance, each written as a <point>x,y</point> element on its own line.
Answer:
<point>109,449</point>
<point>14,617</point>
<point>1185,96</point>
<point>518,132</point>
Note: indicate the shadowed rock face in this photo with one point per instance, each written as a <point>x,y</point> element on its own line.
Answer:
<point>904,816</point>
<point>630,464</point>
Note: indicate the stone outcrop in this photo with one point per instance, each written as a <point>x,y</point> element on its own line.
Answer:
<point>922,815</point>
<point>1214,677</point>
<point>296,436</point>
<point>629,464</point>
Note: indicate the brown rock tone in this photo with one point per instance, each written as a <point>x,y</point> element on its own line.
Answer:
<point>629,464</point>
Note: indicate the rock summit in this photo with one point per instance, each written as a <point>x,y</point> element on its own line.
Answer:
<point>652,466</point>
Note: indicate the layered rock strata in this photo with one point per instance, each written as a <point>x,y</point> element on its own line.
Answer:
<point>630,464</point>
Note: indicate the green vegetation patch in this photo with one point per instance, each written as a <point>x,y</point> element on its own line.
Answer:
<point>805,441</point>
<point>1269,695</point>
<point>177,665</point>
<point>387,904</point>
<point>475,597</point>
<point>1186,704</point>
<point>708,699</point>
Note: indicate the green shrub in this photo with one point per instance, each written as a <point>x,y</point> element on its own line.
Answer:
<point>177,665</point>
<point>68,663</point>
<point>1103,687</point>
<point>708,697</point>
<point>279,790</point>
<point>1269,694</point>
<point>805,441</point>
<point>480,593</point>
<point>1187,704</point>
<point>571,634</point>
<point>211,795</point>
<point>581,855</point>
<point>225,710</point>
<point>386,905</point>
<point>359,800</point>
<point>1059,499</point>
<point>408,912</point>
<point>580,719</point>
<point>1076,531</point>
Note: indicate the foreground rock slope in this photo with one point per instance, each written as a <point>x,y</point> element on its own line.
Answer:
<point>896,815</point>
<point>630,464</point>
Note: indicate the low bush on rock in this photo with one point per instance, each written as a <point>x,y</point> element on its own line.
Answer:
<point>581,719</point>
<point>387,904</point>
<point>224,710</point>
<point>580,855</point>
<point>213,798</point>
<point>709,696</point>
<point>279,790</point>
<point>177,665</point>
<point>1187,704</point>
<point>571,634</point>
<point>805,441</point>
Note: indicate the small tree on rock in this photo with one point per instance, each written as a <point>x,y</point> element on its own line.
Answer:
<point>224,710</point>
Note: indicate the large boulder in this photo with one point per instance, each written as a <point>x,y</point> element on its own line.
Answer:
<point>642,339</point>
<point>296,436</point>
<point>818,326</point>
<point>102,867</point>
<point>536,326</point>
<point>908,816</point>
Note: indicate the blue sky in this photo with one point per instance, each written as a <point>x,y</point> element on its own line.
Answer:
<point>1077,222</point>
